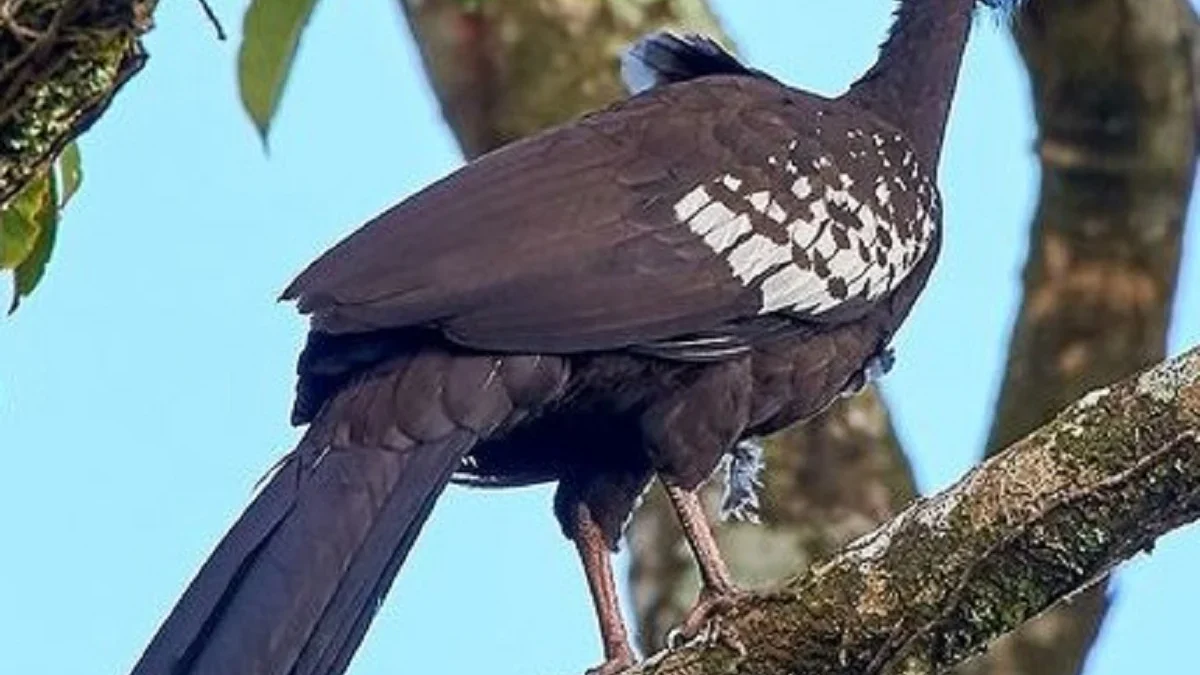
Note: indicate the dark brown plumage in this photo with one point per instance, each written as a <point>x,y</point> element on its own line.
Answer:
<point>624,297</point>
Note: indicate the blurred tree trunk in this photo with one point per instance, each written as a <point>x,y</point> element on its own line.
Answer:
<point>503,70</point>
<point>1115,100</point>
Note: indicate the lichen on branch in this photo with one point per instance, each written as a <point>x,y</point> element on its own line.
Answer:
<point>61,62</point>
<point>1036,523</point>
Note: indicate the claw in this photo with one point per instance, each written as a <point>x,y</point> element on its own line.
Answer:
<point>615,664</point>
<point>705,622</point>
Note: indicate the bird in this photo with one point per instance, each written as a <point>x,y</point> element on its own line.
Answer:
<point>630,297</point>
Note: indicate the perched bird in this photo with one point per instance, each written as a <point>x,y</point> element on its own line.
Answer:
<point>628,297</point>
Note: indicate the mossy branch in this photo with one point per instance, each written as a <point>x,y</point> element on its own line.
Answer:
<point>1028,528</point>
<point>61,62</point>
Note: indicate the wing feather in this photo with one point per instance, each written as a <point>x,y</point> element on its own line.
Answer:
<point>671,221</point>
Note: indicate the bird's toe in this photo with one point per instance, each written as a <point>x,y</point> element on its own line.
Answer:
<point>614,665</point>
<point>705,621</point>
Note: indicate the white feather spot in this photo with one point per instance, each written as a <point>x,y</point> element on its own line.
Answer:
<point>710,217</point>
<point>882,193</point>
<point>776,213</point>
<point>760,201</point>
<point>781,288</point>
<point>868,219</point>
<point>756,255</point>
<point>845,263</point>
<point>692,202</point>
<point>819,211</point>
<point>824,244</point>
<point>726,234</point>
<point>802,188</point>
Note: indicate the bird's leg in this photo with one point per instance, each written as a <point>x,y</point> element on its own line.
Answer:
<point>717,590</point>
<point>597,567</point>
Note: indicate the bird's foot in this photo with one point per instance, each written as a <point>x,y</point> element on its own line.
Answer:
<point>705,621</point>
<point>615,663</point>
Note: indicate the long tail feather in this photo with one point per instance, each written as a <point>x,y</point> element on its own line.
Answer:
<point>294,584</point>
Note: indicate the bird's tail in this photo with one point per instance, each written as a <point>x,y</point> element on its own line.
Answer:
<point>292,587</point>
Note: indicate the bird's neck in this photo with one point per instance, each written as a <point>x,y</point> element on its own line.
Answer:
<point>912,83</point>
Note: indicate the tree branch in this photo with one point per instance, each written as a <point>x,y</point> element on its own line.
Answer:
<point>61,62</point>
<point>1043,519</point>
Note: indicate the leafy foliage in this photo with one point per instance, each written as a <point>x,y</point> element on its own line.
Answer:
<point>70,168</point>
<point>29,222</point>
<point>270,36</point>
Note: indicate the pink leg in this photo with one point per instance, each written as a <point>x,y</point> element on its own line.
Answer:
<point>597,567</point>
<point>717,591</point>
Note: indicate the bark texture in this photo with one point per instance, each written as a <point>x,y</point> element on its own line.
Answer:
<point>61,62</point>
<point>503,70</point>
<point>1115,101</point>
<point>1034,524</point>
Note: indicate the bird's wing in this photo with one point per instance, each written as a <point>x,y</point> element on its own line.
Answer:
<point>675,213</point>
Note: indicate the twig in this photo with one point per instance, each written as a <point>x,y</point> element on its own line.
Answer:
<point>212,18</point>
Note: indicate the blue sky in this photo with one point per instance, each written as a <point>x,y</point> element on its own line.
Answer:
<point>146,385</point>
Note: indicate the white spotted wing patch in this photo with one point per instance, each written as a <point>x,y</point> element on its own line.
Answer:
<point>819,230</point>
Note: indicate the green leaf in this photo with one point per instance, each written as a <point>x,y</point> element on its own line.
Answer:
<point>270,36</point>
<point>70,167</point>
<point>27,229</point>
<point>21,219</point>
<point>33,268</point>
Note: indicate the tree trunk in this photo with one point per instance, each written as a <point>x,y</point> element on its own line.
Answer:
<point>1115,101</point>
<point>504,70</point>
